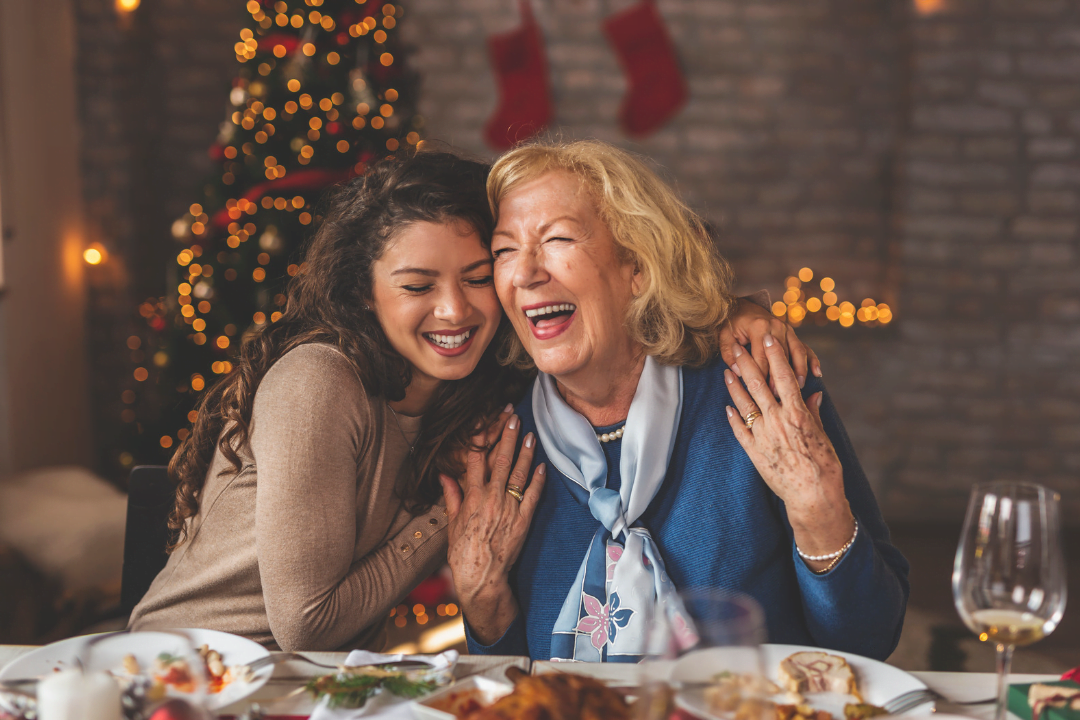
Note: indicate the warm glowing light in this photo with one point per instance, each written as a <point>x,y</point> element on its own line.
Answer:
<point>929,7</point>
<point>806,274</point>
<point>197,382</point>
<point>829,298</point>
<point>451,609</point>
<point>792,282</point>
<point>275,317</point>
<point>193,416</point>
<point>141,374</point>
<point>263,258</point>
<point>199,339</point>
<point>847,308</point>
<point>796,313</point>
<point>846,320</point>
<point>127,6</point>
<point>867,302</point>
<point>259,318</point>
<point>833,313</point>
<point>419,609</point>
<point>377,123</point>
<point>293,85</point>
<point>298,202</point>
<point>828,284</point>
<point>412,138</point>
<point>93,256</point>
<point>161,358</point>
<point>386,58</point>
<point>204,307</point>
<point>343,146</point>
<point>258,275</point>
<point>198,325</point>
<point>166,441</point>
<point>813,304</point>
<point>134,342</point>
<point>779,309</point>
<point>792,296</point>
<point>308,49</point>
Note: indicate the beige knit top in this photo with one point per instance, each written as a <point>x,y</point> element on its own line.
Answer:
<point>308,547</point>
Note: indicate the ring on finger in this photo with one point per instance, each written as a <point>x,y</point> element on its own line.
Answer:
<point>749,419</point>
<point>515,492</point>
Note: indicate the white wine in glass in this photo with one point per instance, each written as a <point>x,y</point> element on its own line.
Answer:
<point>1009,575</point>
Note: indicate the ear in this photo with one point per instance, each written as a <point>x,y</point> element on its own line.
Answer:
<point>637,280</point>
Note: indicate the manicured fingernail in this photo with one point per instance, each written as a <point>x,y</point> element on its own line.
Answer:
<point>738,350</point>
<point>509,408</point>
<point>802,380</point>
<point>769,340</point>
<point>735,369</point>
<point>730,412</point>
<point>513,423</point>
<point>729,377</point>
<point>819,398</point>
<point>529,440</point>
<point>541,469</point>
<point>817,371</point>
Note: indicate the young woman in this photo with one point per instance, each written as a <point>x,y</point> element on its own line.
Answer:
<point>308,500</point>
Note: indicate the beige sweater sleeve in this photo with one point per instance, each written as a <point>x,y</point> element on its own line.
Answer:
<point>313,437</point>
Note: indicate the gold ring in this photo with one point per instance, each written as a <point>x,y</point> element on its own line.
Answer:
<point>749,419</point>
<point>515,492</point>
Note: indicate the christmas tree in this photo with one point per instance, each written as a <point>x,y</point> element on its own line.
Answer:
<point>321,91</point>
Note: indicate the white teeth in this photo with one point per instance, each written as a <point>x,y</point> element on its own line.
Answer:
<point>547,310</point>
<point>449,341</point>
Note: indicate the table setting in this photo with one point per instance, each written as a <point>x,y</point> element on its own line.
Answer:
<point>1009,589</point>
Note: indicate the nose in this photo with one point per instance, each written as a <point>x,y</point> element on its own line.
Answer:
<point>453,306</point>
<point>529,268</point>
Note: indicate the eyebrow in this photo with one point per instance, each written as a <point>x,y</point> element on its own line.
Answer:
<point>435,273</point>
<point>546,226</point>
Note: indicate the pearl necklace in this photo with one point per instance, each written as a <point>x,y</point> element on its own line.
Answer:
<point>611,436</point>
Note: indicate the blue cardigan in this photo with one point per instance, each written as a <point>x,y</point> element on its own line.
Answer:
<point>718,525</point>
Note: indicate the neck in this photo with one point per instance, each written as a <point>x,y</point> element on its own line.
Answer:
<point>418,395</point>
<point>603,395</point>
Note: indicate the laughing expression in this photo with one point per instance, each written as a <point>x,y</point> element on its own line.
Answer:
<point>433,295</point>
<point>560,279</point>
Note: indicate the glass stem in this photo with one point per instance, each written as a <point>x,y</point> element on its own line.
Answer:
<point>1004,662</point>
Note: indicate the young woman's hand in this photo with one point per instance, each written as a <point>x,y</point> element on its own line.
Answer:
<point>488,524</point>
<point>749,325</point>
<point>788,446</point>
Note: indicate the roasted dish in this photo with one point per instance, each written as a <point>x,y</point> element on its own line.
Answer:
<point>556,696</point>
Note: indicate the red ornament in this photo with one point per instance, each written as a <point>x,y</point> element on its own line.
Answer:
<point>657,87</point>
<point>521,73</point>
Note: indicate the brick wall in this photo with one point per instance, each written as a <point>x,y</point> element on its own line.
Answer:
<point>928,161</point>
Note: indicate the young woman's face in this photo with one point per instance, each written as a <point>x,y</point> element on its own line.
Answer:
<point>434,297</point>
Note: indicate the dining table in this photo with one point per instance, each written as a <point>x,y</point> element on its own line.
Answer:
<point>281,696</point>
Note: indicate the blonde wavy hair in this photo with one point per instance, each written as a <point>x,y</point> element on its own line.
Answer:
<point>685,289</point>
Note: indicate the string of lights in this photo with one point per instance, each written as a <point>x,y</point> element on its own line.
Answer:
<point>800,306</point>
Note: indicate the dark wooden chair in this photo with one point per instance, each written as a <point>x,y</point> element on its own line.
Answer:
<point>150,500</point>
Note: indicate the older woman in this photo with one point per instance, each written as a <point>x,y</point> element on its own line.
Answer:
<point>656,470</point>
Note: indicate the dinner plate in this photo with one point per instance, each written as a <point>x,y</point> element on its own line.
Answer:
<point>877,681</point>
<point>108,654</point>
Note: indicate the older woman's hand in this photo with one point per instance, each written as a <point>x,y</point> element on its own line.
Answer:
<point>749,325</point>
<point>487,530</point>
<point>788,446</point>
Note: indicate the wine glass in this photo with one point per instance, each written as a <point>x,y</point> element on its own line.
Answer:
<point>1009,575</point>
<point>688,643</point>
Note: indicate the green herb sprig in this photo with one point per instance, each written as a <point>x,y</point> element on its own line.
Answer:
<point>346,690</point>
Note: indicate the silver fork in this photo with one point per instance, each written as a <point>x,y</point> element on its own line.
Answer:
<point>915,698</point>
<point>283,656</point>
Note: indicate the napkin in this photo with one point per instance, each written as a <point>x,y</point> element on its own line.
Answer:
<point>1073,675</point>
<point>382,706</point>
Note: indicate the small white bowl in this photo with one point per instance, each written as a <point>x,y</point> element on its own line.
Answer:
<point>486,689</point>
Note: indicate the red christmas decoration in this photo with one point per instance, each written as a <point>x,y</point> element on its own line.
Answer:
<point>657,87</point>
<point>522,75</point>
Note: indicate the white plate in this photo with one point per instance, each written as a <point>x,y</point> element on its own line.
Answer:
<point>145,646</point>
<point>877,681</point>
<point>488,690</point>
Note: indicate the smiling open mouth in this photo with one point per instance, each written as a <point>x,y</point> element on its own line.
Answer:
<point>450,342</point>
<point>549,315</point>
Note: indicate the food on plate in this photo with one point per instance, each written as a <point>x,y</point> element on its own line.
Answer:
<point>460,704</point>
<point>801,712</point>
<point>818,672</point>
<point>351,687</point>
<point>730,691</point>
<point>1042,696</point>
<point>174,671</point>
<point>557,696</point>
<point>862,711</point>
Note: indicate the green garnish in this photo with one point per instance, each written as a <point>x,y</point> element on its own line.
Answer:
<point>168,658</point>
<point>352,691</point>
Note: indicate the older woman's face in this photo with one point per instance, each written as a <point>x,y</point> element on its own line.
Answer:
<point>559,278</point>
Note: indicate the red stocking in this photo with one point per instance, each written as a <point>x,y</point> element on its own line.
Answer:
<point>657,88</point>
<point>521,71</point>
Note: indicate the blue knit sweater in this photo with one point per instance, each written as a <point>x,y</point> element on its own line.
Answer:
<point>718,525</point>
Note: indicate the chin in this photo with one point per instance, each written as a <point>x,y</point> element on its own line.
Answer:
<point>557,363</point>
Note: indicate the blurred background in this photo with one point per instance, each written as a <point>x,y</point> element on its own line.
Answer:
<point>903,176</point>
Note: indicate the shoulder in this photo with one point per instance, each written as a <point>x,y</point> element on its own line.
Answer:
<point>314,375</point>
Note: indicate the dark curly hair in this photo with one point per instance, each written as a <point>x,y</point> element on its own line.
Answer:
<point>326,304</point>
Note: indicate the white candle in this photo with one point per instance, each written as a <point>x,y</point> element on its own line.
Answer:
<point>75,695</point>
